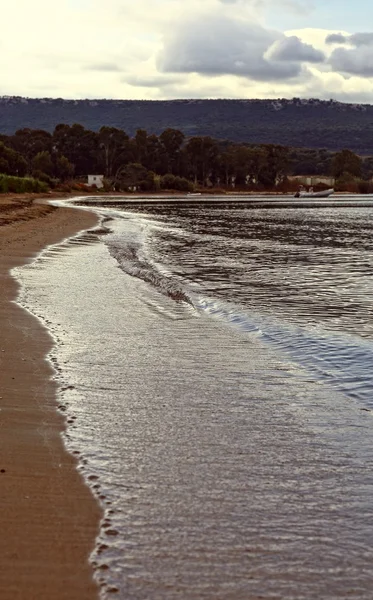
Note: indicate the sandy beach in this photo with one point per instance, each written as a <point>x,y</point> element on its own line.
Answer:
<point>49,518</point>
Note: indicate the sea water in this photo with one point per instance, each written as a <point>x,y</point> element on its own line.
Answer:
<point>216,372</point>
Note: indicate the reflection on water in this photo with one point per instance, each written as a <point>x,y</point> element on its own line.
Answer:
<point>300,277</point>
<point>216,372</point>
<point>309,266</point>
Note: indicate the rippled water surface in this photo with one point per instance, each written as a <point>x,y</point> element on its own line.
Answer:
<point>216,368</point>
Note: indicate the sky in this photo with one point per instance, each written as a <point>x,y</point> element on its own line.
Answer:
<point>170,49</point>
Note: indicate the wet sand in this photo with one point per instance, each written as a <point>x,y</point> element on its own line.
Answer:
<point>49,518</point>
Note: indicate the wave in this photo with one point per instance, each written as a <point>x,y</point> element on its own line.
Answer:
<point>129,251</point>
<point>343,361</point>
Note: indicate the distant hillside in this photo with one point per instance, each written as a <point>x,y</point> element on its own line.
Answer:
<point>300,123</point>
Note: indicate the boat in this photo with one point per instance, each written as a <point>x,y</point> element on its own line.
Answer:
<point>194,194</point>
<point>312,194</point>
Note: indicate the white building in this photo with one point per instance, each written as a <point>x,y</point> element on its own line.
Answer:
<point>97,180</point>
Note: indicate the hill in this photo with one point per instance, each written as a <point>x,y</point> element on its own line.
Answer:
<point>299,123</point>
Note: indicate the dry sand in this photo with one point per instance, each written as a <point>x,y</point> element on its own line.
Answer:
<point>48,517</point>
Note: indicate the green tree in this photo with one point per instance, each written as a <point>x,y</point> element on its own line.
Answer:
<point>79,145</point>
<point>202,154</point>
<point>346,163</point>
<point>276,165</point>
<point>140,146</point>
<point>12,162</point>
<point>4,166</point>
<point>132,175</point>
<point>155,156</point>
<point>29,142</point>
<point>64,169</point>
<point>172,141</point>
<point>174,182</point>
<point>226,168</point>
<point>43,162</point>
<point>115,149</point>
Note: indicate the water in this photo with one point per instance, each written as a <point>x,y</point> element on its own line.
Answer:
<point>216,372</point>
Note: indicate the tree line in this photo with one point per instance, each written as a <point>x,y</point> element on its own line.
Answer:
<point>169,161</point>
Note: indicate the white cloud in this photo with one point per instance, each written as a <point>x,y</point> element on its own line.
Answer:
<point>174,48</point>
<point>326,85</point>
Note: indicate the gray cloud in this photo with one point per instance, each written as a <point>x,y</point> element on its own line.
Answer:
<point>354,61</point>
<point>336,38</point>
<point>220,46</point>
<point>361,39</point>
<point>292,49</point>
<point>357,59</point>
<point>356,39</point>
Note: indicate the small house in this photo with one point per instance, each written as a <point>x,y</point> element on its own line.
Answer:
<point>96,180</point>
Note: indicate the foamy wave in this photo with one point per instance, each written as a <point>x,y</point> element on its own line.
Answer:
<point>129,253</point>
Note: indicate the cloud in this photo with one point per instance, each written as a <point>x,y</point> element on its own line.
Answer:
<point>174,49</point>
<point>356,55</point>
<point>355,61</point>
<point>336,38</point>
<point>292,49</point>
<point>296,7</point>
<point>356,39</point>
<point>221,46</point>
<point>103,67</point>
<point>152,81</point>
<point>361,39</point>
<point>329,84</point>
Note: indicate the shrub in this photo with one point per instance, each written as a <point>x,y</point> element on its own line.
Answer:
<point>365,187</point>
<point>21,185</point>
<point>4,187</point>
<point>170,182</point>
<point>183,184</point>
<point>167,182</point>
<point>43,177</point>
<point>64,187</point>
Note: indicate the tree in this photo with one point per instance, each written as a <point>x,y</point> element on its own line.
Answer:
<point>29,142</point>
<point>367,168</point>
<point>226,169</point>
<point>79,145</point>
<point>346,163</point>
<point>276,165</point>
<point>202,153</point>
<point>172,182</point>
<point>43,162</point>
<point>12,162</point>
<point>140,145</point>
<point>243,164</point>
<point>115,149</point>
<point>4,166</point>
<point>155,158</point>
<point>64,169</point>
<point>133,175</point>
<point>172,141</point>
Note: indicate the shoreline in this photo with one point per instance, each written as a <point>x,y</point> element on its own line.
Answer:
<point>49,519</point>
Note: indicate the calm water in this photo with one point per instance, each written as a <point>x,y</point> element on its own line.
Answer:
<point>216,368</point>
